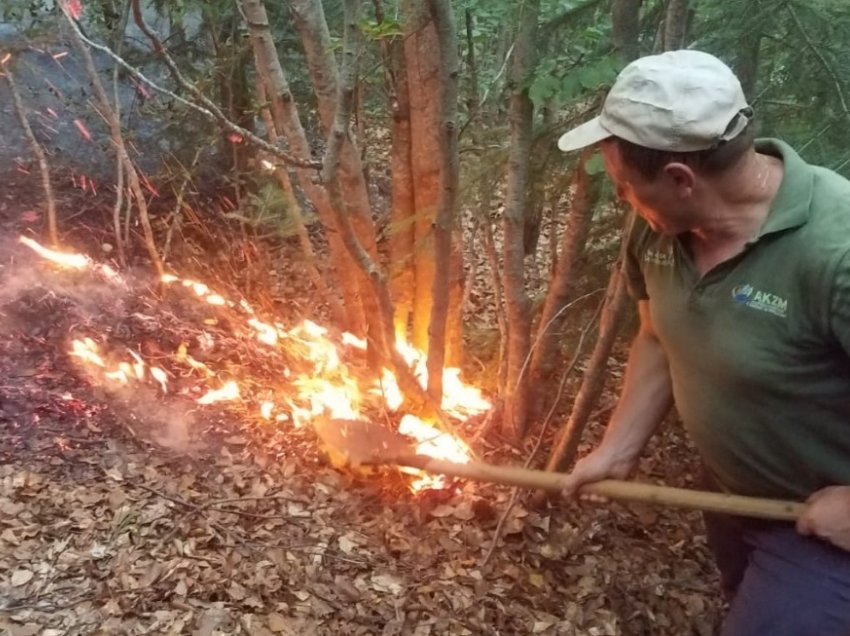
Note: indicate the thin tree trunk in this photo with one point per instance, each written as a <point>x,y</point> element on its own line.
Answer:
<point>38,151</point>
<point>625,20</point>
<point>421,56</point>
<point>419,398</point>
<point>675,24</point>
<point>312,27</point>
<point>117,45</point>
<point>518,305</point>
<point>294,209</point>
<point>287,122</point>
<point>401,233</point>
<point>547,349</point>
<point>747,64</point>
<point>118,140</point>
<point>443,18</point>
<point>616,301</point>
<point>498,298</point>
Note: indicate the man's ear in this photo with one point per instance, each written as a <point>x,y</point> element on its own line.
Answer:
<point>682,176</point>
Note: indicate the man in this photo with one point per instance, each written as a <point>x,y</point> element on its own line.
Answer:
<point>739,260</point>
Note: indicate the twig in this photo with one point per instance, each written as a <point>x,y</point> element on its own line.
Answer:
<point>40,155</point>
<point>209,113</point>
<point>829,70</point>
<point>515,491</point>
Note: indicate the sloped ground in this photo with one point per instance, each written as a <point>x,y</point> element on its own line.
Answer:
<point>137,513</point>
<point>134,512</point>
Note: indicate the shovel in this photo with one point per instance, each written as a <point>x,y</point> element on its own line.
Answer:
<point>359,442</point>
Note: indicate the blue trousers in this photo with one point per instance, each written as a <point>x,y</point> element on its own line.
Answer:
<point>778,582</point>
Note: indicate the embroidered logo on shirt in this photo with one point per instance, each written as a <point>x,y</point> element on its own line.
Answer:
<point>658,257</point>
<point>760,300</point>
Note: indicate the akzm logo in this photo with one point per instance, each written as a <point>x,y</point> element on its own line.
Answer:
<point>762,301</point>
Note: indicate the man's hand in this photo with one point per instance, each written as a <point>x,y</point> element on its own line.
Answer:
<point>600,464</point>
<point>827,515</point>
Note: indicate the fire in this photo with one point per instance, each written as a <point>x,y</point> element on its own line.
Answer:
<point>73,261</point>
<point>230,391</point>
<point>324,384</point>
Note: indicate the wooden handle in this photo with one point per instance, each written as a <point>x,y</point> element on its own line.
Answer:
<point>614,489</point>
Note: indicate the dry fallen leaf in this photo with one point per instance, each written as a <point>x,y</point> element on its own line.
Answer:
<point>21,577</point>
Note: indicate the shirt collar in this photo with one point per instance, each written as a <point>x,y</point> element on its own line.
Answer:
<point>790,206</point>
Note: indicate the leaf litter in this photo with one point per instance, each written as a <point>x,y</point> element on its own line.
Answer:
<point>117,517</point>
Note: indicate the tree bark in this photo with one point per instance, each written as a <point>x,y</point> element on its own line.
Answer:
<point>675,24</point>
<point>547,348</point>
<point>593,382</point>
<point>311,263</point>
<point>312,27</point>
<point>419,399</point>
<point>421,49</point>
<point>288,123</point>
<point>443,18</point>
<point>38,151</point>
<point>747,64</point>
<point>401,232</point>
<point>518,305</point>
<point>117,139</point>
<point>625,19</point>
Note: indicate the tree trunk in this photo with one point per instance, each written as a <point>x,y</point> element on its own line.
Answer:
<point>421,49</point>
<point>287,122</point>
<point>310,22</point>
<point>616,301</point>
<point>38,151</point>
<point>311,263</point>
<point>547,347</point>
<point>675,24</point>
<point>419,399</point>
<point>118,140</point>
<point>401,233</point>
<point>443,18</point>
<point>625,19</point>
<point>517,303</point>
<point>747,64</point>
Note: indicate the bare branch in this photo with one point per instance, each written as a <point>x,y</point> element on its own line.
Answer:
<point>208,110</point>
<point>829,70</point>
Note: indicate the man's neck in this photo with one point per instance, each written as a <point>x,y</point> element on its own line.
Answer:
<point>740,203</point>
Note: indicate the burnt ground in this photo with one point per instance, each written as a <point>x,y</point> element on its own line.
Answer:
<point>130,511</point>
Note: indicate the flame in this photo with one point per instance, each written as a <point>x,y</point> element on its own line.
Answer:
<point>324,383</point>
<point>434,443</point>
<point>266,409</point>
<point>73,261</point>
<point>87,350</point>
<point>230,391</point>
<point>160,376</point>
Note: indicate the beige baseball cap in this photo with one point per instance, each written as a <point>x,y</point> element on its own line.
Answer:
<point>679,101</point>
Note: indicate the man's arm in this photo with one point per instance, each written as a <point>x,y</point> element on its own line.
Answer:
<point>645,399</point>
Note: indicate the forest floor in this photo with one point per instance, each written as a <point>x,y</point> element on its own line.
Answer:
<point>135,511</point>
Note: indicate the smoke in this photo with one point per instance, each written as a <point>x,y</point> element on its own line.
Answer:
<point>37,295</point>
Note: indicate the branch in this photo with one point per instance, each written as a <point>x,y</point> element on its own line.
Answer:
<point>208,110</point>
<point>829,70</point>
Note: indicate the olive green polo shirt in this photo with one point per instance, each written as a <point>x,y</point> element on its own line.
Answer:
<point>758,347</point>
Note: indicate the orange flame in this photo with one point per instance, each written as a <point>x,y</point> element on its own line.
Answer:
<point>230,391</point>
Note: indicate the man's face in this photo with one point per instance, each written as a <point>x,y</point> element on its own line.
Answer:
<point>664,202</point>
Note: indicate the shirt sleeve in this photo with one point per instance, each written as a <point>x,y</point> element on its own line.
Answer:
<point>635,246</point>
<point>839,306</point>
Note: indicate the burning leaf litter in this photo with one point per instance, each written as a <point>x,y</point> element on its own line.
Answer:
<point>326,385</point>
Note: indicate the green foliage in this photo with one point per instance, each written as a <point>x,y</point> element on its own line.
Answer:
<point>387,29</point>
<point>554,86</point>
<point>268,211</point>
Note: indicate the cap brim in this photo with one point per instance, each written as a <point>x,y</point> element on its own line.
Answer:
<point>589,133</point>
